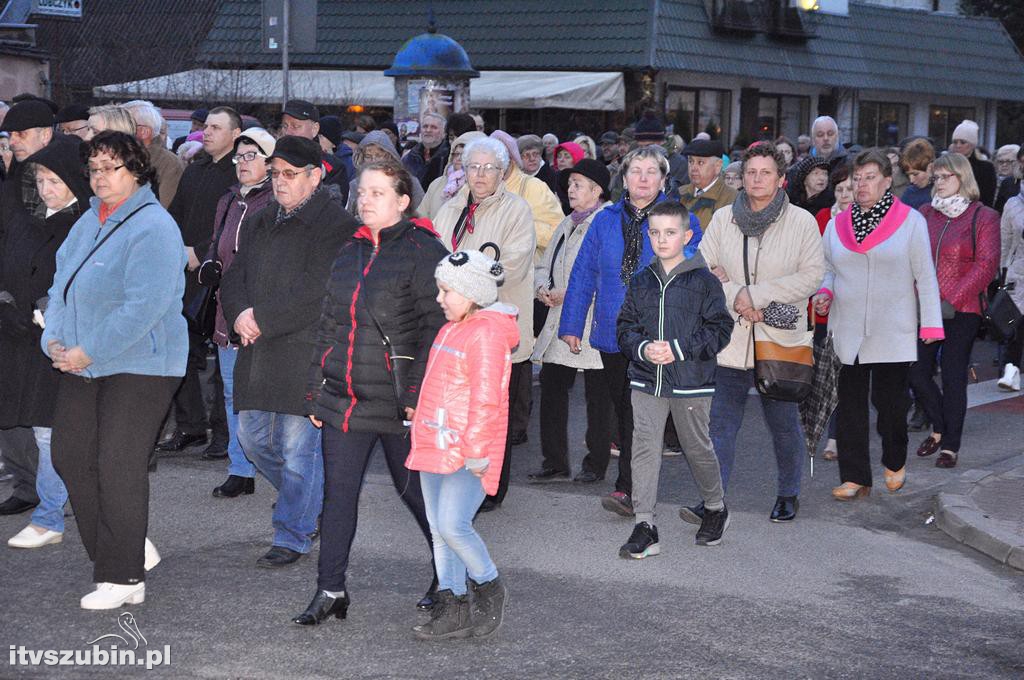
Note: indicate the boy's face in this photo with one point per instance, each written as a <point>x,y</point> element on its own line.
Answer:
<point>668,236</point>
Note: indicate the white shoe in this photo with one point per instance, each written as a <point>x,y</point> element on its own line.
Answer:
<point>671,453</point>
<point>1011,379</point>
<point>114,595</point>
<point>30,538</point>
<point>152,556</point>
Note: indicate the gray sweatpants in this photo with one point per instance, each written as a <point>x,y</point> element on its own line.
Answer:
<point>691,416</point>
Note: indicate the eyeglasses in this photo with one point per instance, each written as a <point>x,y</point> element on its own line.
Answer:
<point>289,174</point>
<point>71,131</point>
<point>942,176</point>
<point>247,156</point>
<point>478,169</point>
<point>104,171</point>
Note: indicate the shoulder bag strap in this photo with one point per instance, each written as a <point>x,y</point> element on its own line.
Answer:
<point>96,247</point>
<point>385,340</point>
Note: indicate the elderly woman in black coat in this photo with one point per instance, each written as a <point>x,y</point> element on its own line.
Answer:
<point>54,199</point>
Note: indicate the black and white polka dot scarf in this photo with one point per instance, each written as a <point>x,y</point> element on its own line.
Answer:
<point>866,222</point>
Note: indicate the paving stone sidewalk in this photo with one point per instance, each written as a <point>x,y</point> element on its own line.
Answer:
<point>984,509</point>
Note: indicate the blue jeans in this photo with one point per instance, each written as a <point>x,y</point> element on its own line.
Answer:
<point>238,464</point>
<point>286,450</point>
<point>49,514</point>
<point>451,502</point>
<point>782,417</point>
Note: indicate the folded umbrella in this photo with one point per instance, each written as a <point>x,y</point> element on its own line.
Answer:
<point>817,408</point>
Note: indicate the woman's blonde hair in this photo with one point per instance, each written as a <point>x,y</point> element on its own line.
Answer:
<point>116,117</point>
<point>957,164</point>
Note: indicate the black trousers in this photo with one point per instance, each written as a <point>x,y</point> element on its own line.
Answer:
<point>346,455</point>
<point>522,375</point>
<point>556,381</point>
<point>946,407</point>
<point>189,407</point>
<point>887,384</point>
<point>615,384</point>
<point>21,458</point>
<point>520,400</point>
<point>103,432</point>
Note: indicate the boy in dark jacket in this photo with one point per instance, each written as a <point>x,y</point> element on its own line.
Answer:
<point>671,326</point>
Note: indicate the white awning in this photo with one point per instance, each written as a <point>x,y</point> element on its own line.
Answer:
<point>599,91</point>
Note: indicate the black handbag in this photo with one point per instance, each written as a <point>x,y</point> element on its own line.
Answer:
<point>780,372</point>
<point>1002,315</point>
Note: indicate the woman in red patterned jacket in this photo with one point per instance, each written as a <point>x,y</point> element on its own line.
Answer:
<point>965,247</point>
<point>458,440</point>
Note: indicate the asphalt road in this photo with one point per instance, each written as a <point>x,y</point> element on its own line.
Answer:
<point>861,590</point>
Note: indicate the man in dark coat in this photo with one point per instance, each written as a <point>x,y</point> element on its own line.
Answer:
<point>194,208</point>
<point>271,297</point>
<point>30,125</point>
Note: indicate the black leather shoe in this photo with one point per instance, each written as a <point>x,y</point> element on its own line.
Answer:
<point>235,486</point>
<point>180,441</point>
<point>217,450</point>
<point>426,602</point>
<point>785,509</point>
<point>518,438</point>
<point>692,514</point>
<point>323,607</point>
<point>587,477</point>
<point>544,476</point>
<point>15,506</point>
<point>278,556</point>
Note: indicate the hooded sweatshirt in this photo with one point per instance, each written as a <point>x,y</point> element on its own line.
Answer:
<point>379,138</point>
<point>462,413</point>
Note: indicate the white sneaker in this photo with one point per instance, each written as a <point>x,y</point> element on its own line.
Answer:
<point>114,595</point>
<point>30,538</point>
<point>1011,379</point>
<point>152,556</point>
<point>671,453</point>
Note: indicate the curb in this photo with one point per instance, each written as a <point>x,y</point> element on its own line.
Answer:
<point>958,515</point>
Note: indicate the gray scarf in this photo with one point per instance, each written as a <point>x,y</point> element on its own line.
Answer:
<point>753,223</point>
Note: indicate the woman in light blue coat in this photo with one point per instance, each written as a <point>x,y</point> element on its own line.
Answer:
<point>114,328</point>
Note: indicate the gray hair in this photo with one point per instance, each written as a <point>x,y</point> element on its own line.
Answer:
<point>487,145</point>
<point>432,114</point>
<point>654,152</point>
<point>824,119</point>
<point>145,113</point>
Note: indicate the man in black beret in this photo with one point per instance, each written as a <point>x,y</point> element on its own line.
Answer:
<point>707,191</point>
<point>73,119</point>
<point>29,122</point>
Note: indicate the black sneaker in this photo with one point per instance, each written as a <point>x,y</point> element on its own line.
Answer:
<point>694,514</point>
<point>643,542</point>
<point>712,527</point>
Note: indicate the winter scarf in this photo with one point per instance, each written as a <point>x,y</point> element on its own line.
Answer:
<point>866,222</point>
<point>951,207</point>
<point>753,223</point>
<point>633,219</point>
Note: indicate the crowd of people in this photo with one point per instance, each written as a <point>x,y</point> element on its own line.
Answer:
<point>355,289</point>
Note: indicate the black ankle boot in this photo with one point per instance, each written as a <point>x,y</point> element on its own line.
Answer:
<point>426,602</point>
<point>235,486</point>
<point>448,619</point>
<point>323,607</point>
<point>488,608</point>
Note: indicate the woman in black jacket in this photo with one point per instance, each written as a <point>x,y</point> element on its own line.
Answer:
<point>57,195</point>
<point>379,319</point>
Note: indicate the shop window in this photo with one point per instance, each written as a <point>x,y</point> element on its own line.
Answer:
<point>782,115</point>
<point>693,111</point>
<point>881,123</point>
<point>942,120</point>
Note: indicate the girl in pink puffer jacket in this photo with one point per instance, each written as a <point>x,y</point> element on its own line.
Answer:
<point>458,441</point>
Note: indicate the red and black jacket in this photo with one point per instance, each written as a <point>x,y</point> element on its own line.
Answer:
<point>350,386</point>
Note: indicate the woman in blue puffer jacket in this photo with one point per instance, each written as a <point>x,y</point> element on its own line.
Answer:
<point>615,247</point>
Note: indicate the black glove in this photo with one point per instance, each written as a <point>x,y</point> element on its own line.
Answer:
<point>13,322</point>
<point>209,273</point>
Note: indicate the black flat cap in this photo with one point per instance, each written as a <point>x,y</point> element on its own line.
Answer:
<point>705,148</point>
<point>28,114</point>
<point>297,151</point>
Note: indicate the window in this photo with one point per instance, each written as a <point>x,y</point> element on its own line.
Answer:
<point>942,120</point>
<point>693,111</point>
<point>881,123</point>
<point>782,115</point>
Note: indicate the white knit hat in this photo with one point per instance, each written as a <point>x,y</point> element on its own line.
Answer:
<point>471,274</point>
<point>967,131</point>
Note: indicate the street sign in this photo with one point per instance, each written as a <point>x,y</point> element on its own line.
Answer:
<point>301,25</point>
<point>70,9</point>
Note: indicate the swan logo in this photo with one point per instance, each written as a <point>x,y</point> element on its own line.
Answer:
<point>123,648</point>
<point>132,635</point>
